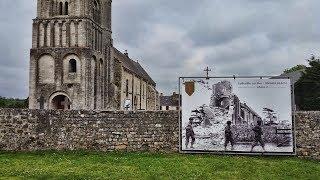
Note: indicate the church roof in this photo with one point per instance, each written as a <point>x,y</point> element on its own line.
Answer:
<point>133,66</point>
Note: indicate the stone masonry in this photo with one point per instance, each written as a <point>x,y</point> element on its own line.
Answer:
<point>308,134</point>
<point>29,130</point>
<point>73,61</point>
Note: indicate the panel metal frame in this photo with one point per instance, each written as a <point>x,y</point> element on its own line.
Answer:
<point>294,153</point>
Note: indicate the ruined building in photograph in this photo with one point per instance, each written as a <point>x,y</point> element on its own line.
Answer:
<point>74,65</point>
<point>223,97</point>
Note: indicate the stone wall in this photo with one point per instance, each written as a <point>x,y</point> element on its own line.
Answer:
<point>308,134</point>
<point>28,130</point>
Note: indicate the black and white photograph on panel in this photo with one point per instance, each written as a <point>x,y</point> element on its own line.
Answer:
<point>237,115</point>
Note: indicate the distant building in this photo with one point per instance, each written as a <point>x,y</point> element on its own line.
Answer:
<point>168,103</point>
<point>294,76</point>
<point>136,89</point>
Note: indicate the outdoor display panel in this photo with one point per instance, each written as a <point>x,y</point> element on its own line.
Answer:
<point>236,116</point>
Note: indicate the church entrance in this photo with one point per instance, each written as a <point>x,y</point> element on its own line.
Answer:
<point>61,102</point>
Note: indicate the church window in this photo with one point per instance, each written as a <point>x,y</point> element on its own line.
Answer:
<point>66,8</point>
<point>72,66</point>
<point>127,87</point>
<point>135,101</point>
<point>52,8</point>
<point>60,8</point>
<point>96,11</point>
<point>143,90</point>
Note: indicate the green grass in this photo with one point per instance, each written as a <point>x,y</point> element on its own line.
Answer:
<point>98,165</point>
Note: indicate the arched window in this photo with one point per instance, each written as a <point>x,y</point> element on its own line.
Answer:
<point>52,8</point>
<point>127,87</point>
<point>135,101</point>
<point>143,90</point>
<point>95,4</point>
<point>60,8</point>
<point>66,12</point>
<point>72,66</point>
<point>96,11</point>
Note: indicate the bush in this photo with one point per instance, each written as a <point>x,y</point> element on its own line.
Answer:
<point>13,103</point>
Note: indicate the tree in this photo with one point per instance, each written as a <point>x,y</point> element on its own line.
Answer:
<point>307,89</point>
<point>295,68</point>
<point>13,103</point>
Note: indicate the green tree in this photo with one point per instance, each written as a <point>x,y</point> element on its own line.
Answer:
<point>295,68</point>
<point>13,103</point>
<point>307,89</point>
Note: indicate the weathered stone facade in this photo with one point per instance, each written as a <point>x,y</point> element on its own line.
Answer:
<point>134,84</point>
<point>71,60</point>
<point>29,130</point>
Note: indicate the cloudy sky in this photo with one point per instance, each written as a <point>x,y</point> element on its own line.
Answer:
<point>182,37</point>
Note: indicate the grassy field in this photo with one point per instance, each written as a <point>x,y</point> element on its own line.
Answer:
<point>94,165</point>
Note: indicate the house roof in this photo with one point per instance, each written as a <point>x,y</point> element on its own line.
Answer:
<point>168,101</point>
<point>133,66</point>
<point>294,76</point>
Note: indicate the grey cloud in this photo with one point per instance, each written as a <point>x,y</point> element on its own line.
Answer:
<point>15,35</point>
<point>181,37</point>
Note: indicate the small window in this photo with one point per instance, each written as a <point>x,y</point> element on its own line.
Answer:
<point>60,8</point>
<point>167,108</point>
<point>127,87</point>
<point>96,11</point>
<point>143,90</point>
<point>66,12</point>
<point>95,4</point>
<point>72,66</point>
<point>135,101</point>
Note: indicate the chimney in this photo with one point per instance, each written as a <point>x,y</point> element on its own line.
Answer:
<point>126,53</point>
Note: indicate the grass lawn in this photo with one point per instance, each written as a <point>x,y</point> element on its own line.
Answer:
<point>94,165</point>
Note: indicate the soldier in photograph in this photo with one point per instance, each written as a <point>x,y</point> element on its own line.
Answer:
<point>258,136</point>
<point>190,133</point>
<point>228,136</point>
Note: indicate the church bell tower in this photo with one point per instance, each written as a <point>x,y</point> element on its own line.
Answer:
<point>70,59</point>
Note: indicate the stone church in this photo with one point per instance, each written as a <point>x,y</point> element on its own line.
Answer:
<point>73,64</point>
